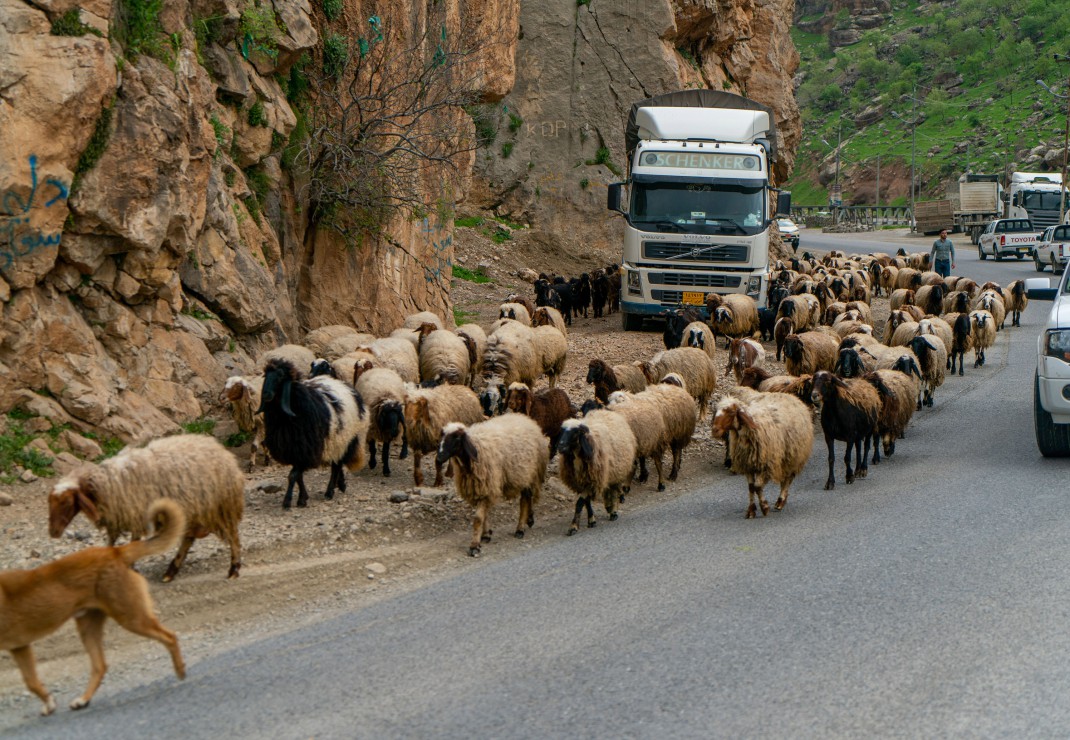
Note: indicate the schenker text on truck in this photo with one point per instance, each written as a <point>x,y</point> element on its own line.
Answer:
<point>699,211</point>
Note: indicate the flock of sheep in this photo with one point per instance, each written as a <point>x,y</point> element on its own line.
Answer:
<point>468,397</point>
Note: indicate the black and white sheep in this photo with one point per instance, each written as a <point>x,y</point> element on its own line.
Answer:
<point>309,423</point>
<point>770,438</point>
<point>516,312</point>
<point>932,359</point>
<point>383,392</point>
<point>193,470</point>
<point>500,459</point>
<point>982,334</point>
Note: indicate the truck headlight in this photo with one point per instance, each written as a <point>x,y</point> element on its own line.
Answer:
<point>633,282</point>
<point>754,285</point>
<point>1057,344</point>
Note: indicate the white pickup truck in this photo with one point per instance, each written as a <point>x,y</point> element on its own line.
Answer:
<point>1053,248</point>
<point>1007,237</point>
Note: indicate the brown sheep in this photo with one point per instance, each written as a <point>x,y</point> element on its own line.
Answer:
<point>805,354</point>
<point>608,379</point>
<point>549,408</point>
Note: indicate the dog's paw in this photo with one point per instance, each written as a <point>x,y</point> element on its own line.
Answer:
<point>79,703</point>
<point>49,707</point>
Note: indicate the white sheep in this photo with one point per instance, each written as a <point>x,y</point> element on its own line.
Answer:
<point>549,316</point>
<point>476,340</point>
<point>503,458</point>
<point>383,392</point>
<point>242,392</point>
<point>427,412</point>
<point>693,365</point>
<point>416,320</point>
<point>983,334</point>
<point>597,457</point>
<point>516,312</point>
<point>644,417</point>
<point>300,357</point>
<point>698,335</point>
<point>444,356</point>
<point>770,438</point>
<point>551,346</point>
<point>397,354</point>
<point>194,470</point>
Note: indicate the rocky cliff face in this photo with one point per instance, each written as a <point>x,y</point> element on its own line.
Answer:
<point>154,234</point>
<point>842,20</point>
<point>580,66</point>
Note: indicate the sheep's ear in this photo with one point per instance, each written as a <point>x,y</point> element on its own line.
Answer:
<point>285,400</point>
<point>586,445</point>
<point>746,419</point>
<point>469,448</point>
<point>85,499</point>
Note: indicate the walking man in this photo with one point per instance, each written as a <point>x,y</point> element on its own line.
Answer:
<point>943,255</point>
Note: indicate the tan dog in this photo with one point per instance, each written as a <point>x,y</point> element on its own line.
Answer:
<point>90,586</point>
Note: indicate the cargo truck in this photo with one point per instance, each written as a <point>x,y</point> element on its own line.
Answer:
<point>1034,195</point>
<point>700,202</point>
<point>979,201</point>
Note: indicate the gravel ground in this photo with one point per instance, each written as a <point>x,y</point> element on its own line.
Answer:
<point>379,538</point>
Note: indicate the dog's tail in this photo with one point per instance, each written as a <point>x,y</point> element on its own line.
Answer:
<point>168,523</point>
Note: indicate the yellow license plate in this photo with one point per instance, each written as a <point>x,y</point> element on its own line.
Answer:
<point>695,299</point>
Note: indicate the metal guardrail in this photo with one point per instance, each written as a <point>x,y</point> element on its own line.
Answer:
<point>861,216</point>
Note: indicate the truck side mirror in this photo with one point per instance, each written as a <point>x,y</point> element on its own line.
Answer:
<point>1039,289</point>
<point>613,197</point>
<point>783,204</point>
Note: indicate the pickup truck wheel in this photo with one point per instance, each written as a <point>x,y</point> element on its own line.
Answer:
<point>631,321</point>
<point>997,254</point>
<point>1037,263</point>
<point>1052,439</point>
<point>981,252</point>
<point>1054,269</point>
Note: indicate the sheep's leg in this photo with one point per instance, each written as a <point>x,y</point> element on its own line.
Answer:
<point>28,667</point>
<point>759,487</point>
<point>590,512</point>
<point>336,473</point>
<point>418,473</point>
<point>404,444</point>
<point>438,473</point>
<point>847,461</point>
<point>232,539</point>
<point>831,444</point>
<point>180,558</point>
<point>977,355</point>
<point>609,500</point>
<point>676,455</point>
<point>643,474</point>
<point>728,450</point>
<point>525,506</point>
<point>783,500</point>
<point>752,509</point>
<point>287,500</point>
<point>876,447</point>
<point>386,458</point>
<point>862,456</point>
<point>478,521</point>
<point>951,361</point>
<point>487,531</point>
<point>552,377</point>
<point>302,491</point>
<point>657,466</point>
<point>371,455</point>
<point>575,526</point>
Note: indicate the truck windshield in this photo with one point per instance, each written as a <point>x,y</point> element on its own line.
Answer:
<point>703,208</point>
<point>1040,201</point>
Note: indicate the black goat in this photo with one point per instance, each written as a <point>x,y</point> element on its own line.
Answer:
<point>581,293</point>
<point>613,276</point>
<point>675,322</point>
<point>599,293</point>
<point>961,341</point>
<point>849,411</point>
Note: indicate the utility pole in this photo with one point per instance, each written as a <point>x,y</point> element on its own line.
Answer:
<point>913,146</point>
<point>878,181</point>
<point>839,141</point>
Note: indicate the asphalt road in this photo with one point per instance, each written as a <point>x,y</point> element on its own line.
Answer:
<point>928,600</point>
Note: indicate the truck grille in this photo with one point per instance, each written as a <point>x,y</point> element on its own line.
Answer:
<point>721,253</point>
<point>1043,219</point>
<point>694,280</point>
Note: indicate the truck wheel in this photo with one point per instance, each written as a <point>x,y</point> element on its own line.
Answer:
<point>1054,270</point>
<point>998,255</point>
<point>631,321</point>
<point>1037,263</point>
<point>981,252</point>
<point>1052,439</point>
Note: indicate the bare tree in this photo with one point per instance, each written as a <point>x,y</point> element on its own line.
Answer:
<point>387,121</point>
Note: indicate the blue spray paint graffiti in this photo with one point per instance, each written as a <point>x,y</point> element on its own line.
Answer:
<point>440,269</point>
<point>17,237</point>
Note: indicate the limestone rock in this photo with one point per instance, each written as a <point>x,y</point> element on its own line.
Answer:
<point>6,499</point>
<point>79,445</point>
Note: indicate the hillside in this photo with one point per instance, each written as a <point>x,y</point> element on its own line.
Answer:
<point>966,70</point>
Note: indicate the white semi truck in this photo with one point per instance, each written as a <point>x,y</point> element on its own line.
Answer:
<point>699,212</point>
<point>1034,195</point>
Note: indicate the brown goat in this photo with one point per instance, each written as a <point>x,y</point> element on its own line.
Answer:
<point>742,354</point>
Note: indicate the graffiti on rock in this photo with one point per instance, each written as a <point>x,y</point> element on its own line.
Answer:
<point>18,237</point>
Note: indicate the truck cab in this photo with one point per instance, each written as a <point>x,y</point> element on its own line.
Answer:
<point>1053,248</point>
<point>698,214</point>
<point>1007,237</point>
<point>1035,195</point>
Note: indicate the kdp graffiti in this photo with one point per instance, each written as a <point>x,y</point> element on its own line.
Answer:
<point>17,237</point>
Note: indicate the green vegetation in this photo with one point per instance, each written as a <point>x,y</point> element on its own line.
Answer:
<point>511,224</point>
<point>966,70</point>
<point>479,275</point>
<point>199,314</point>
<point>137,29</point>
<point>237,439</point>
<point>222,134</point>
<point>332,9</point>
<point>602,157</point>
<point>335,56</point>
<point>13,450</point>
<point>485,118</point>
<point>70,24</point>
<point>98,142</point>
<point>507,149</point>
<point>204,425</point>
<point>463,317</point>
<point>257,116</point>
<point>468,222</point>
<point>515,122</point>
<point>585,183</point>
<point>260,30</point>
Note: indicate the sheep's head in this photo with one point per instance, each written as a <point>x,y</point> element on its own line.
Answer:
<point>456,444</point>
<point>849,364</point>
<point>647,369</point>
<point>519,398</point>
<point>75,493</point>
<point>492,398</point>
<point>825,384</point>
<point>731,416</point>
<point>724,314</point>
<point>591,404</point>
<point>596,370</point>
<point>980,318</point>
<point>360,368</point>
<point>390,419</point>
<point>674,379</point>
<point>321,367</point>
<point>793,347</point>
<point>279,377</point>
<point>541,317</point>
<point>697,338</point>
<point>234,389</point>
<point>424,329</point>
<point>753,377</point>
<point>713,301</point>
<point>576,440</point>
